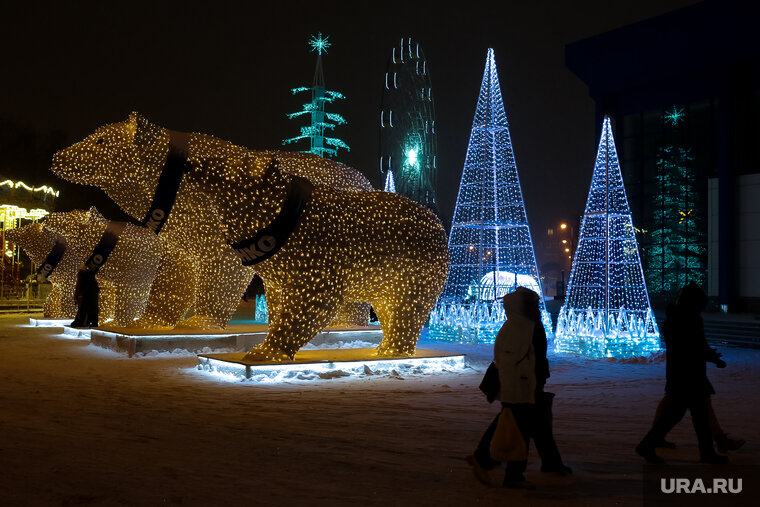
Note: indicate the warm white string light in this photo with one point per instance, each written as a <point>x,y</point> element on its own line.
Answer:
<point>37,242</point>
<point>127,274</point>
<point>351,245</point>
<point>16,184</point>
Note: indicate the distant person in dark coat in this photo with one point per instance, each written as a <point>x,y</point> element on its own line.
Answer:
<point>686,382</point>
<point>86,295</point>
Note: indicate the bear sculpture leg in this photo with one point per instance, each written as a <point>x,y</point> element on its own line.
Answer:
<point>405,310</point>
<point>107,301</point>
<point>56,307</point>
<point>307,312</point>
<point>221,285</point>
<point>352,314</point>
<point>401,323</point>
<point>133,303</point>
<point>173,291</point>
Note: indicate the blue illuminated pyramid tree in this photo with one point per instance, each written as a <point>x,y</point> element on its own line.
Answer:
<point>607,311</point>
<point>490,246</point>
<point>390,183</point>
<point>321,121</point>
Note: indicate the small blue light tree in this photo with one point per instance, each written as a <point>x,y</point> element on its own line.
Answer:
<point>490,246</point>
<point>321,120</point>
<point>607,311</point>
<point>390,184</point>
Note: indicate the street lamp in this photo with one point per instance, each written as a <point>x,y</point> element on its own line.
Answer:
<point>568,244</point>
<point>571,240</point>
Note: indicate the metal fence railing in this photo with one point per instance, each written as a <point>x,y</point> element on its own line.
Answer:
<point>23,296</point>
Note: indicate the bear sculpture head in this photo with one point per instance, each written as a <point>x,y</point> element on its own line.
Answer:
<point>124,159</point>
<point>36,240</point>
<point>82,228</point>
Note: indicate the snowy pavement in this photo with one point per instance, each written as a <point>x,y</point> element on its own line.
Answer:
<point>81,425</point>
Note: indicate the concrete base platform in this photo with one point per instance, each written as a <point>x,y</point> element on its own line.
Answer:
<point>236,337</point>
<point>326,360</point>
<point>80,333</point>
<point>49,322</point>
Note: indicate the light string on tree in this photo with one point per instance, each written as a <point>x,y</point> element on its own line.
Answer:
<point>490,243</point>
<point>607,311</point>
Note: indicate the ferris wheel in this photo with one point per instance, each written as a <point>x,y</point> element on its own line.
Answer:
<point>408,143</point>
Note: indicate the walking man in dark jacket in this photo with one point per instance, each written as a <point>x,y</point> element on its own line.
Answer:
<point>686,380</point>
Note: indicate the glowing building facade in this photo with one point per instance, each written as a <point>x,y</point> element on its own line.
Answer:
<point>607,311</point>
<point>491,250</point>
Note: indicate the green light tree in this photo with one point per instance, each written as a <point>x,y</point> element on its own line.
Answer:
<point>677,252</point>
<point>321,121</point>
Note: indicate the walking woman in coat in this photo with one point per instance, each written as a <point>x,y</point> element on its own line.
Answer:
<point>520,357</point>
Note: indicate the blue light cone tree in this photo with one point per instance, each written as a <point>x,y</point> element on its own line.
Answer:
<point>390,184</point>
<point>607,311</point>
<point>490,246</point>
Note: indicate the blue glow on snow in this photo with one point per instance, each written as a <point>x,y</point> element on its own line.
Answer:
<point>276,373</point>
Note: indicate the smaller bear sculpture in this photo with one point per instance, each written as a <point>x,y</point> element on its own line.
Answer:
<point>58,263</point>
<point>129,268</point>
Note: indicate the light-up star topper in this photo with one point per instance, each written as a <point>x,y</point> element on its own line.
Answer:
<point>319,43</point>
<point>675,116</point>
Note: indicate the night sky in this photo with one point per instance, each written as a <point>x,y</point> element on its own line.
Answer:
<point>227,69</point>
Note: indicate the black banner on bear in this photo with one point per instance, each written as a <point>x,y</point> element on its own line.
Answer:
<point>53,258</point>
<point>166,191</point>
<point>270,239</point>
<point>105,246</point>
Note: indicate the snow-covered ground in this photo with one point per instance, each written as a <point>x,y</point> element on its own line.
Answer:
<point>84,426</point>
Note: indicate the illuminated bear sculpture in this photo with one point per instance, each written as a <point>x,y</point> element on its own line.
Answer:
<point>39,242</point>
<point>196,256</point>
<point>57,262</point>
<point>344,245</point>
<point>129,268</point>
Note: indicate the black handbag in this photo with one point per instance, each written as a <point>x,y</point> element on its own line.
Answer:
<point>490,383</point>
